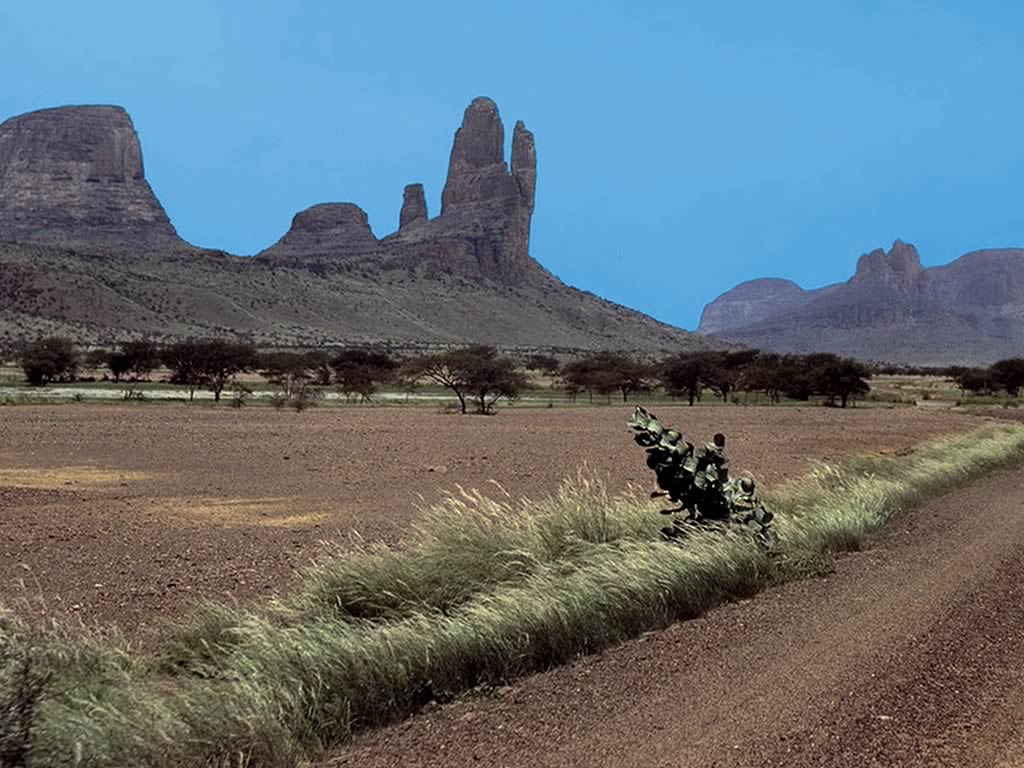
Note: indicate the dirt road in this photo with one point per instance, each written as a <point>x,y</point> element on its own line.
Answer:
<point>912,654</point>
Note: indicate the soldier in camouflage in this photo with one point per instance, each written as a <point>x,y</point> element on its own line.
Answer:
<point>697,479</point>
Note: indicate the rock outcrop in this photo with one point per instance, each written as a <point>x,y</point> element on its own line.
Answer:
<point>414,206</point>
<point>325,233</point>
<point>751,302</point>
<point>483,231</point>
<point>73,176</point>
<point>899,269</point>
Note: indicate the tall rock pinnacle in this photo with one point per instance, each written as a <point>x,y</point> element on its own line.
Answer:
<point>524,164</point>
<point>488,206</point>
<point>73,176</point>
<point>477,172</point>
<point>414,205</point>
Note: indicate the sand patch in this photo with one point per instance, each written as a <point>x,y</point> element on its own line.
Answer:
<point>63,477</point>
<point>268,512</point>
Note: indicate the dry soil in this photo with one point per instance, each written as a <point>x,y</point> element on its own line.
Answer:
<point>134,514</point>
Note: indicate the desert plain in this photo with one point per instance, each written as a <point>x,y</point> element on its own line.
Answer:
<point>133,515</point>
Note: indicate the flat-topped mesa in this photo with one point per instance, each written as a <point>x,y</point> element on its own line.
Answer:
<point>73,176</point>
<point>324,233</point>
<point>414,205</point>
<point>899,268</point>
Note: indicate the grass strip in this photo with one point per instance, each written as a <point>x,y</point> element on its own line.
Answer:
<point>487,589</point>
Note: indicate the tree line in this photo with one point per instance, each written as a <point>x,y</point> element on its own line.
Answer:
<point>690,375</point>
<point>1002,376</point>
<point>478,376</point>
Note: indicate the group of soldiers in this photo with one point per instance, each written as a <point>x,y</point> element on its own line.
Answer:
<point>696,478</point>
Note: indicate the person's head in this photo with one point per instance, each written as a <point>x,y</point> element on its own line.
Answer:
<point>719,440</point>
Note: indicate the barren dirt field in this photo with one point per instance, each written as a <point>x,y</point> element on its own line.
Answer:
<point>134,514</point>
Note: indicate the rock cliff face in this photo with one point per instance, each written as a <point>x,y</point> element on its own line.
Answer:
<point>73,176</point>
<point>968,311</point>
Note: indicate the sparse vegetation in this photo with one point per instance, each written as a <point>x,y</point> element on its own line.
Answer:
<point>476,374</point>
<point>209,363</point>
<point>487,589</point>
<point>359,372</point>
<point>50,359</point>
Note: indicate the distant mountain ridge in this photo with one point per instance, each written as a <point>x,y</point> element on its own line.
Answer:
<point>892,309</point>
<point>87,249</point>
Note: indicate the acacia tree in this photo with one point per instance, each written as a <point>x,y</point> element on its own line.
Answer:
<point>686,374</point>
<point>974,380</point>
<point>137,359</point>
<point>764,374</point>
<point>210,363</point>
<point>475,373</point>
<point>843,379</point>
<point>289,371</point>
<point>358,372</point>
<point>1009,374</point>
<point>606,372</point>
<point>143,358</point>
<point>50,359</point>
<point>546,364</point>
<point>185,361</point>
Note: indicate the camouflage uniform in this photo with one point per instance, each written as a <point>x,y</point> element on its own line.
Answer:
<point>697,480</point>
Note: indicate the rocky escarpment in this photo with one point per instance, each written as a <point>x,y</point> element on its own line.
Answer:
<point>73,176</point>
<point>968,311</point>
<point>464,276</point>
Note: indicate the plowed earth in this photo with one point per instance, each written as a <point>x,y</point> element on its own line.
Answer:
<point>911,654</point>
<point>133,514</point>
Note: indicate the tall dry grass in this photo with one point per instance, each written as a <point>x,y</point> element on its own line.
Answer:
<point>488,588</point>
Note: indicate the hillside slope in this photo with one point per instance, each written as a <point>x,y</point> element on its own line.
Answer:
<point>893,309</point>
<point>86,249</point>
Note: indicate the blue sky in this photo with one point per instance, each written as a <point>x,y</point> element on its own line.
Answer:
<point>682,147</point>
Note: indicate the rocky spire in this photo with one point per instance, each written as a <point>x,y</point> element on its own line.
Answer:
<point>414,205</point>
<point>900,267</point>
<point>477,172</point>
<point>524,164</point>
<point>74,176</point>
